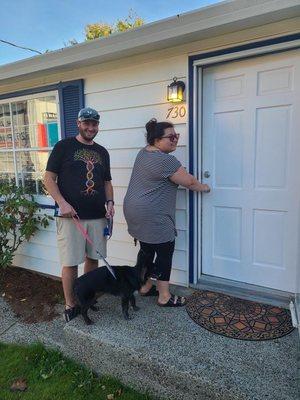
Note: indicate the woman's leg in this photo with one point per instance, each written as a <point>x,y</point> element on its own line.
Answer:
<point>163,262</point>
<point>150,253</point>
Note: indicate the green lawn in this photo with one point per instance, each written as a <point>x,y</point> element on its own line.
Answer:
<point>50,376</point>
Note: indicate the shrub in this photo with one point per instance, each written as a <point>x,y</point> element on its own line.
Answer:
<point>19,220</point>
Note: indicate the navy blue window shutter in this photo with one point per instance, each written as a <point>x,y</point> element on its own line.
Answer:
<point>71,100</point>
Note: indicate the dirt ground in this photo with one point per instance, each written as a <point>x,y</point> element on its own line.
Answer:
<point>32,297</point>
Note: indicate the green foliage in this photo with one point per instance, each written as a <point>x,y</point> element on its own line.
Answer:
<point>49,375</point>
<point>99,30</point>
<point>19,220</point>
<point>132,21</point>
<point>94,31</point>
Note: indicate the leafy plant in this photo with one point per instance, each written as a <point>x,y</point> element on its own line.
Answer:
<point>102,29</point>
<point>96,30</point>
<point>19,220</point>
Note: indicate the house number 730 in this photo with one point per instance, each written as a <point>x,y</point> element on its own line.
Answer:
<point>176,111</point>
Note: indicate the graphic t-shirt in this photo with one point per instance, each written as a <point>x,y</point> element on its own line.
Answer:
<point>82,170</point>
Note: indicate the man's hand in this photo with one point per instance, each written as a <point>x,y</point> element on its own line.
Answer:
<point>110,210</point>
<point>66,210</point>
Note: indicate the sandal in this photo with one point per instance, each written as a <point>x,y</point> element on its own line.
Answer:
<point>151,292</point>
<point>174,301</point>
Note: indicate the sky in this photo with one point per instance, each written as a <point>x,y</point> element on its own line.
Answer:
<point>50,24</point>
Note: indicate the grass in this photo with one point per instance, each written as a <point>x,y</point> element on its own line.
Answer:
<point>50,376</point>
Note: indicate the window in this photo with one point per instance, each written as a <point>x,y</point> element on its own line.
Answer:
<point>29,128</point>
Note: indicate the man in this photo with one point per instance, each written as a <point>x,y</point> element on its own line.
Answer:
<point>78,178</point>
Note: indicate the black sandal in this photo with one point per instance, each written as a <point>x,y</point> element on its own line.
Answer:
<point>174,301</point>
<point>151,292</point>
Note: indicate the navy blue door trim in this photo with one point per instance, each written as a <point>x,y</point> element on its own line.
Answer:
<point>191,60</point>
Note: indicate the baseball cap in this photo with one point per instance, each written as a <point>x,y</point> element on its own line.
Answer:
<point>88,113</point>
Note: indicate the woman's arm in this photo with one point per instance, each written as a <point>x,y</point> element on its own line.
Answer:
<point>183,178</point>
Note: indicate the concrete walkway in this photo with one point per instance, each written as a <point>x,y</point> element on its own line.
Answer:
<point>163,352</point>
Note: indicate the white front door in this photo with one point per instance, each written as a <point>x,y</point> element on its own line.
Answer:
<point>251,149</point>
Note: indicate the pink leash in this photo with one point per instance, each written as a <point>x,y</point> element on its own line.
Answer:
<point>89,240</point>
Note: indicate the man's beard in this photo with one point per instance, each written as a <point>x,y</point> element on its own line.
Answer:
<point>86,137</point>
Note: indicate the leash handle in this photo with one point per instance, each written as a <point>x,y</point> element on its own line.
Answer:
<point>81,229</point>
<point>109,227</point>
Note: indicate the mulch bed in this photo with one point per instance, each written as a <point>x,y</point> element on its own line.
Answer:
<point>32,297</point>
<point>237,318</point>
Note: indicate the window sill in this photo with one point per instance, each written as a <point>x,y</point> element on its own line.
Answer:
<point>44,201</point>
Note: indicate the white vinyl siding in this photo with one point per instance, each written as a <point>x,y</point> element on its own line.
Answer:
<point>126,99</point>
<point>40,253</point>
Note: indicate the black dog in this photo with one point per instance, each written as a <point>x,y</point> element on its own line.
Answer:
<point>129,279</point>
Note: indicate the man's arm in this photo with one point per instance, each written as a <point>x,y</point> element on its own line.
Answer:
<point>66,209</point>
<point>109,194</point>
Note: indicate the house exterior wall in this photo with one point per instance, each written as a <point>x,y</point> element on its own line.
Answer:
<point>127,99</point>
<point>127,94</point>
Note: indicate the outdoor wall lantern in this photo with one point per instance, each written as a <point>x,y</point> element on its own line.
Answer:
<point>175,91</point>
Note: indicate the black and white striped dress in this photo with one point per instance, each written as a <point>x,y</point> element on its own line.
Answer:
<point>150,201</point>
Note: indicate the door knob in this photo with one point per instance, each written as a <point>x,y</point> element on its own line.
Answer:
<point>206,174</point>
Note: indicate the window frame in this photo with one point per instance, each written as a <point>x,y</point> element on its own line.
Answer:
<point>14,150</point>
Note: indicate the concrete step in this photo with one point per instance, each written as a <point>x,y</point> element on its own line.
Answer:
<point>163,352</point>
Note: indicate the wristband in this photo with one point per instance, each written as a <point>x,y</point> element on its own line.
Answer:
<point>110,201</point>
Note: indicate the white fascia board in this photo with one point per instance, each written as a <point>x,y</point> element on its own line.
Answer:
<point>210,21</point>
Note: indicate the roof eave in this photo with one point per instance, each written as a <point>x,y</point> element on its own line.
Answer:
<point>210,21</point>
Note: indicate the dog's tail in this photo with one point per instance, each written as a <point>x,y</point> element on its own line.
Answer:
<point>144,264</point>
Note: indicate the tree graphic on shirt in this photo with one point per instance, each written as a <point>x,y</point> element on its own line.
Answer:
<point>90,158</point>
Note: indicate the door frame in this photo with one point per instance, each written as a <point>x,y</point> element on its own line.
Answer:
<point>195,122</point>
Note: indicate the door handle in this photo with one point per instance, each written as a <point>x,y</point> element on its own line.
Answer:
<point>206,174</point>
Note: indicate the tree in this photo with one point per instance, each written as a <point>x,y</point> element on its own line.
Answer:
<point>98,30</point>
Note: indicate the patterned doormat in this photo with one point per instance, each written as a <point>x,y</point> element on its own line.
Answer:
<point>237,318</point>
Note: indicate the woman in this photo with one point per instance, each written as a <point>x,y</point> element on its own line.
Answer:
<point>150,203</point>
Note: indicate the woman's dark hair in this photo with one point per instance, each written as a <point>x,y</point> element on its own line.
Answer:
<point>155,130</point>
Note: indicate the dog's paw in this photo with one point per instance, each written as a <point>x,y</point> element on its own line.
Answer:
<point>136,308</point>
<point>94,308</point>
<point>89,322</point>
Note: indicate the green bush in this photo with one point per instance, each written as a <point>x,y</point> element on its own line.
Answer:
<point>19,220</point>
